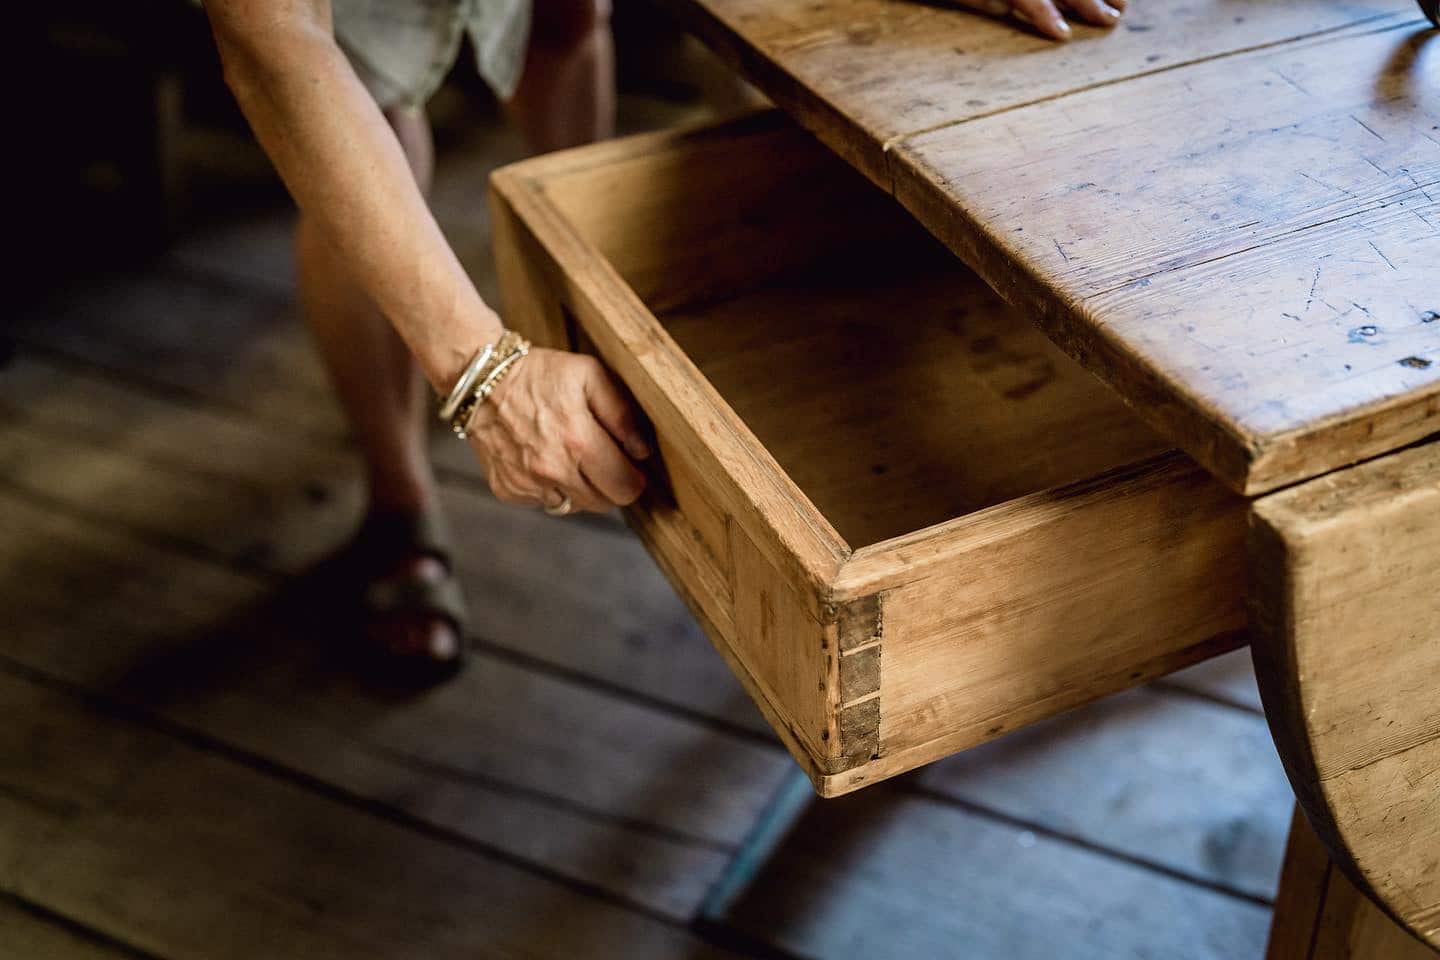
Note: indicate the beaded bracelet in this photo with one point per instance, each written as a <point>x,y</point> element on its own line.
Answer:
<point>508,351</point>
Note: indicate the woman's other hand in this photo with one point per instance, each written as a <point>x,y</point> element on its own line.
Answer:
<point>558,422</point>
<point>1048,16</point>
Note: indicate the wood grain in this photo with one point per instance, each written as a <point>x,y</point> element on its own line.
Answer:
<point>962,406</point>
<point>1346,614</point>
<point>239,489</point>
<point>220,485</point>
<point>844,885</point>
<point>1260,292</point>
<point>1034,606</point>
<point>502,757</point>
<point>1193,786</point>
<point>184,853</point>
<point>862,74</point>
<point>1320,915</point>
<point>25,935</point>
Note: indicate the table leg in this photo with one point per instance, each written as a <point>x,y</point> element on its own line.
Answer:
<point>1319,915</point>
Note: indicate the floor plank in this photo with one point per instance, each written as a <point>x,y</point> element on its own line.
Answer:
<point>192,334</point>
<point>618,795</point>
<point>26,935</point>
<point>1181,783</point>
<point>219,481</point>
<point>187,854</point>
<point>884,875</point>
<point>1229,678</point>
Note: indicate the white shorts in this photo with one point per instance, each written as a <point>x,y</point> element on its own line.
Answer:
<point>402,49</point>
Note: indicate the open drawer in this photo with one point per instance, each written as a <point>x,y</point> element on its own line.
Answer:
<point>908,522</point>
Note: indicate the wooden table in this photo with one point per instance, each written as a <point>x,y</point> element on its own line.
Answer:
<point>909,524</point>
<point>1226,211</point>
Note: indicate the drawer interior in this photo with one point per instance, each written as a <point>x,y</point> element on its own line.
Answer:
<point>891,384</point>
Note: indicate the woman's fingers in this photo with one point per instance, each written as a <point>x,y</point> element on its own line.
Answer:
<point>582,493</point>
<point>603,464</point>
<point>1098,12</point>
<point>615,412</point>
<point>1044,16</point>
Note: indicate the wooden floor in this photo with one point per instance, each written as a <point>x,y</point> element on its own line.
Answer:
<point>184,772</point>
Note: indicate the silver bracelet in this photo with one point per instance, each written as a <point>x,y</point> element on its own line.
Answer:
<point>466,383</point>
<point>492,380</point>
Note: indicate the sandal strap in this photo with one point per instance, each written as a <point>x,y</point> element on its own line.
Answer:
<point>385,535</point>
<point>416,596</point>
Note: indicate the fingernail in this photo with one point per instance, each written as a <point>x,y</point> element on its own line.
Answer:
<point>1061,26</point>
<point>1110,11</point>
<point>637,448</point>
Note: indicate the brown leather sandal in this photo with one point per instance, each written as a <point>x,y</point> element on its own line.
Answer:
<point>387,545</point>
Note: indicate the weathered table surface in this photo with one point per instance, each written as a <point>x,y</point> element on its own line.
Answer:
<point>1224,208</point>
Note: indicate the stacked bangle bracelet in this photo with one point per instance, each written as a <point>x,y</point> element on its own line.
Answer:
<point>478,380</point>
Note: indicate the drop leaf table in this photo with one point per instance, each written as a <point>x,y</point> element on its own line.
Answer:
<point>992,376</point>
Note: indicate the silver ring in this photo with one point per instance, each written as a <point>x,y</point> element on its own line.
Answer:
<point>562,508</point>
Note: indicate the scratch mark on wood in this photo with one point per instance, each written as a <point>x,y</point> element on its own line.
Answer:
<point>1368,129</point>
<point>1179,263</point>
<point>1328,186</point>
<point>1382,257</point>
<point>1420,186</point>
<point>1291,82</point>
<point>1314,283</point>
<point>1061,250</point>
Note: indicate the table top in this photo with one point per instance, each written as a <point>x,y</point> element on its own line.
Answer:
<point>1223,208</point>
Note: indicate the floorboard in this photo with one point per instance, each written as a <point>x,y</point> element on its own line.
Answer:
<point>883,874</point>
<point>608,792</point>
<point>1228,679</point>
<point>1177,783</point>
<point>222,483</point>
<point>29,934</point>
<point>186,854</point>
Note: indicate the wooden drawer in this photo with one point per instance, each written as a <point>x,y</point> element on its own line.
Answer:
<point>908,522</point>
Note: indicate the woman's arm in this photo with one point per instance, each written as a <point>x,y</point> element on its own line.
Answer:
<point>345,168</point>
<point>558,422</point>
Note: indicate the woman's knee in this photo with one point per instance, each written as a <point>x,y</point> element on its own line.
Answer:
<point>565,23</point>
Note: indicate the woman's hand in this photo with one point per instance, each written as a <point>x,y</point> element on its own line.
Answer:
<point>1046,15</point>
<point>558,422</point>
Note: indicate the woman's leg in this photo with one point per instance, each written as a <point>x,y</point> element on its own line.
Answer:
<point>566,95</point>
<point>379,386</point>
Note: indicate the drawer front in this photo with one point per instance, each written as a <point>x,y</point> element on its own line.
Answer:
<point>1093,562</point>
<point>1045,603</point>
